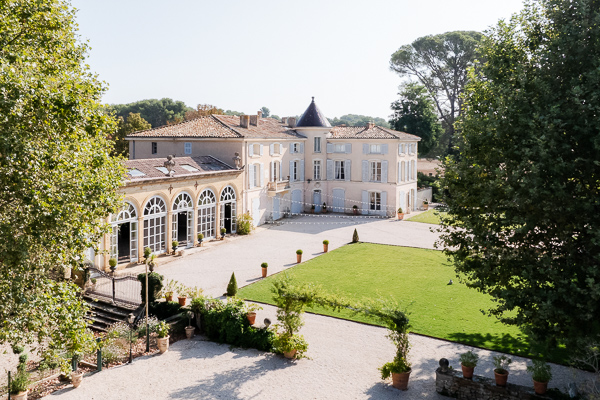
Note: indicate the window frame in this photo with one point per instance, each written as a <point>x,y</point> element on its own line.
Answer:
<point>377,148</point>
<point>374,201</point>
<point>187,145</point>
<point>342,170</point>
<point>375,170</point>
<point>154,147</point>
<point>317,144</point>
<point>317,177</point>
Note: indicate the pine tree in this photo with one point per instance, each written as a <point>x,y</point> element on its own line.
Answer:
<point>232,287</point>
<point>355,236</point>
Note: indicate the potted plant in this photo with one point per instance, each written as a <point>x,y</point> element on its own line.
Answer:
<point>223,233</point>
<point>501,364</point>
<point>174,245</point>
<point>189,329</point>
<point>299,256</point>
<point>400,214</point>
<point>292,346</point>
<point>182,294</point>
<point>251,310</point>
<point>163,336</point>
<point>312,209</point>
<point>264,267</point>
<point>93,281</point>
<point>541,373</point>
<point>19,385</point>
<point>400,367</point>
<point>355,209</point>
<point>168,289</point>
<point>77,377</point>
<point>324,208</point>
<point>468,362</point>
<point>113,264</point>
<point>325,246</point>
<point>200,239</point>
<point>425,204</point>
<point>151,262</point>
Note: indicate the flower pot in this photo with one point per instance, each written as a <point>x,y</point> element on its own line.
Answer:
<point>189,332</point>
<point>169,298</point>
<point>19,396</point>
<point>400,216</point>
<point>400,380</point>
<point>425,206</point>
<point>182,301</point>
<point>298,258</point>
<point>540,387</point>
<point>76,378</point>
<point>467,371</point>
<point>251,317</point>
<point>264,272</point>
<point>501,379</point>
<point>325,248</point>
<point>163,344</point>
<point>290,354</point>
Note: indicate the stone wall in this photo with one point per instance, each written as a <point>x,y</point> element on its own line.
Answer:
<point>451,383</point>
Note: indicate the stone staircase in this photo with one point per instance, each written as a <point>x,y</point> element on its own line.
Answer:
<point>103,313</point>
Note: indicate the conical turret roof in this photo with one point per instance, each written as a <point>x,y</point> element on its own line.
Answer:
<point>313,117</point>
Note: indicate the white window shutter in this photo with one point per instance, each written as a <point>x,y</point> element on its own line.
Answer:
<point>291,171</point>
<point>329,148</point>
<point>329,170</point>
<point>384,171</point>
<point>347,170</point>
<point>399,148</point>
<point>301,170</point>
<point>383,203</point>
<point>251,176</point>
<point>260,146</point>
<point>280,177</point>
<point>365,202</point>
<point>272,149</point>
<point>301,148</point>
<point>365,171</point>
<point>271,171</point>
<point>384,148</point>
<point>348,148</point>
<point>399,172</point>
<point>261,171</point>
<point>414,169</point>
<point>250,150</point>
<point>365,148</point>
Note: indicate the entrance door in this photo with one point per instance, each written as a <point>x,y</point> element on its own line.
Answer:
<point>182,228</point>
<point>124,243</point>
<point>227,217</point>
<point>339,200</point>
<point>276,213</point>
<point>297,201</point>
<point>317,200</point>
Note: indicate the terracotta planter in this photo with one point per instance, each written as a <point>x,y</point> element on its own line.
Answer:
<point>19,396</point>
<point>264,272</point>
<point>163,344</point>
<point>290,354</point>
<point>199,244</point>
<point>400,380</point>
<point>182,301</point>
<point>400,216</point>
<point>251,317</point>
<point>325,248</point>
<point>540,387</point>
<point>501,379</point>
<point>467,371</point>
<point>169,298</point>
<point>298,258</point>
<point>189,332</point>
<point>76,378</point>
<point>425,206</point>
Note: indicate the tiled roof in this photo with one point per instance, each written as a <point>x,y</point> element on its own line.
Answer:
<point>268,128</point>
<point>207,127</point>
<point>313,117</point>
<point>147,166</point>
<point>364,132</point>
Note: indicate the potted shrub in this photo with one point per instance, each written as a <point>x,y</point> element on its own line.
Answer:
<point>541,373</point>
<point>400,213</point>
<point>264,267</point>
<point>355,209</point>
<point>200,239</point>
<point>182,294</point>
<point>113,264</point>
<point>468,362</point>
<point>77,378</point>
<point>400,367</point>
<point>251,310</point>
<point>198,307</point>
<point>19,385</point>
<point>168,289</point>
<point>501,364</point>
<point>325,246</point>
<point>299,256</point>
<point>425,204</point>
<point>223,233</point>
<point>292,346</point>
<point>174,245</point>
<point>163,336</point>
<point>189,329</point>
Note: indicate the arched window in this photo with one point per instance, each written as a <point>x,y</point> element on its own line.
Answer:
<point>207,213</point>
<point>155,217</point>
<point>182,221</point>
<point>228,209</point>
<point>183,202</point>
<point>124,235</point>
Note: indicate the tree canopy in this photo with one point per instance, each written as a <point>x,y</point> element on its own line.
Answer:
<point>525,188</point>
<point>357,120</point>
<point>156,112</point>
<point>265,112</point>
<point>414,113</point>
<point>57,178</point>
<point>133,123</point>
<point>201,111</point>
<point>439,63</point>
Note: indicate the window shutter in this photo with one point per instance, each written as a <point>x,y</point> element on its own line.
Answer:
<point>272,149</point>
<point>399,148</point>
<point>347,170</point>
<point>301,148</point>
<point>414,169</point>
<point>251,176</point>
<point>329,148</point>
<point>260,146</point>
<point>271,172</point>
<point>301,170</point>
<point>384,148</point>
<point>365,171</point>
<point>383,203</point>
<point>348,148</point>
<point>261,171</point>
<point>365,148</point>
<point>365,202</point>
<point>408,170</point>
<point>329,170</point>
<point>384,171</point>
<point>250,150</point>
<point>291,171</point>
<point>280,176</point>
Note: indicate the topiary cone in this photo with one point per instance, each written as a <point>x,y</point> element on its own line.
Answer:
<point>232,287</point>
<point>355,236</point>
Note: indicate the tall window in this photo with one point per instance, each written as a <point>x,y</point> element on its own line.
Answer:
<point>374,201</point>
<point>276,148</point>
<point>256,149</point>
<point>188,147</point>
<point>317,170</point>
<point>155,215</point>
<point>340,174</point>
<point>256,174</point>
<point>295,172</point>
<point>275,171</point>
<point>154,147</point>
<point>375,171</point>
<point>317,144</point>
<point>339,148</point>
<point>207,212</point>
<point>375,149</point>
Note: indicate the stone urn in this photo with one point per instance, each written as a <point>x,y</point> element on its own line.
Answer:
<point>189,332</point>
<point>19,396</point>
<point>76,378</point>
<point>163,344</point>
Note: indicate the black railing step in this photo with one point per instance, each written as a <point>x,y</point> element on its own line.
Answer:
<point>104,318</point>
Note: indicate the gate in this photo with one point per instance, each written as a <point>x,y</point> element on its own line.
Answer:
<point>116,289</point>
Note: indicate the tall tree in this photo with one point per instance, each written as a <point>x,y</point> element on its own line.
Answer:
<point>440,63</point>
<point>156,112</point>
<point>265,112</point>
<point>357,120</point>
<point>201,111</point>
<point>133,123</point>
<point>415,113</point>
<point>525,189</point>
<point>57,179</point>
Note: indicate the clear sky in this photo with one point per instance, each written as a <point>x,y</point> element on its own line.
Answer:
<point>242,55</point>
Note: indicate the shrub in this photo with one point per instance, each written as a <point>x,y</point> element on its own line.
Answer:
<point>232,287</point>
<point>223,231</point>
<point>469,359</point>
<point>162,329</point>
<point>355,236</point>
<point>501,364</point>
<point>299,251</point>
<point>245,224</point>
<point>540,371</point>
<point>140,329</point>
<point>200,237</point>
<point>18,349</point>
<point>112,262</point>
<point>155,284</point>
<point>325,241</point>
<point>174,244</point>
<point>147,252</point>
<point>400,210</point>
<point>164,309</point>
<point>264,265</point>
<point>285,343</point>
<point>20,382</point>
<point>397,366</point>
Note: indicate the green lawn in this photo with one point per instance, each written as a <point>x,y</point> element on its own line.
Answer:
<point>418,278</point>
<point>428,217</point>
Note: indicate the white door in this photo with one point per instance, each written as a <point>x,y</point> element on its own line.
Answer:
<point>297,201</point>
<point>317,200</point>
<point>276,213</point>
<point>339,200</point>
<point>256,211</point>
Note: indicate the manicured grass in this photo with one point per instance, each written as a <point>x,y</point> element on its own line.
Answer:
<point>428,217</point>
<point>416,277</point>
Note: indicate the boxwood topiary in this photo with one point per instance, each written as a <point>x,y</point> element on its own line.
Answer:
<point>155,283</point>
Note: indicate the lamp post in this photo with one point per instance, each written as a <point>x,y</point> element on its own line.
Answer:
<point>131,320</point>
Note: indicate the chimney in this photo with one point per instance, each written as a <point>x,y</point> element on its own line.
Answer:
<point>259,114</point>
<point>370,125</point>
<point>244,121</point>
<point>254,120</point>
<point>284,120</point>
<point>292,122</point>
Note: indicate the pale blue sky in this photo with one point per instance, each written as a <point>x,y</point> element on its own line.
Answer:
<point>242,55</point>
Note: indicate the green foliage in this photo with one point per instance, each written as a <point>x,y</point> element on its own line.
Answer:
<point>164,309</point>
<point>200,237</point>
<point>232,287</point>
<point>226,322</point>
<point>285,343</point>
<point>434,182</point>
<point>540,371</point>
<point>469,359</point>
<point>264,265</point>
<point>355,236</point>
<point>223,231</point>
<point>18,349</point>
<point>415,113</point>
<point>201,111</point>
<point>431,216</point>
<point>299,251</point>
<point>357,120</point>
<point>155,112</point>
<point>162,329</point>
<point>265,112</point>
<point>174,244</point>
<point>325,241</point>
<point>245,224</point>
<point>57,177</point>
<point>20,381</point>
<point>397,366</point>
<point>501,364</point>
<point>131,123</point>
<point>525,189</point>
<point>112,262</point>
<point>147,252</point>
<point>155,284</point>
